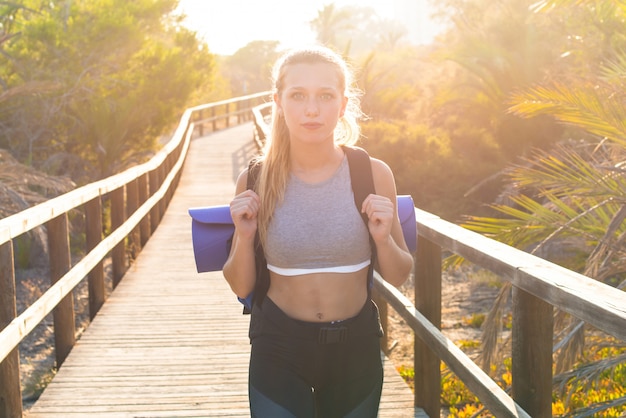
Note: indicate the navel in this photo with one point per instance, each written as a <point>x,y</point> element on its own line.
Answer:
<point>320,316</point>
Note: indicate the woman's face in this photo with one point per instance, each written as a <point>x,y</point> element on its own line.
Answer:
<point>312,101</point>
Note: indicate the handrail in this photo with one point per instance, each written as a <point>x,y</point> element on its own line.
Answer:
<point>261,129</point>
<point>139,197</point>
<point>592,301</point>
<point>538,286</point>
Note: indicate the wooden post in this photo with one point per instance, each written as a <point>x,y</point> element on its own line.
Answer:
<point>155,214</point>
<point>532,353</point>
<point>227,115</point>
<point>213,120</point>
<point>132,203</point>
<point>97,293</point>
<point>144,225</point>
<point>60,263</point>
<point>163,202</point>
<point>170,162</point>
<point>200,125</point>
<point>118,217</point>
<point>428,302</point>
<point>10,390</point>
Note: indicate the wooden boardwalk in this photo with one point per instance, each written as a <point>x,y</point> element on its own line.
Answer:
<point>170,342</point>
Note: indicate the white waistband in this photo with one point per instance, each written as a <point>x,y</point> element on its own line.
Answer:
<point>300,271</point>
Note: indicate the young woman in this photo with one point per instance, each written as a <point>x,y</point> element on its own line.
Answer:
<point>315,335</point>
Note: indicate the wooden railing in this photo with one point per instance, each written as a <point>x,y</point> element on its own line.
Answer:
<point>138,198</point>
<point>538,287</point>
<point>261,115</point>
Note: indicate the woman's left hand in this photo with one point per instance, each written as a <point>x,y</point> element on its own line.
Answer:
<point>380,212</point>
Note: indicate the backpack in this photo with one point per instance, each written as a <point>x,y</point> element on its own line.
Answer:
<point>212,226</point>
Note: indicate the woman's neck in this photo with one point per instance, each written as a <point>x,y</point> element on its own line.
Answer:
<point>315,163</point>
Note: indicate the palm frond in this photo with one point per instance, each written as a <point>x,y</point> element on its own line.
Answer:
<point>492,328</point>
<point>586,377</point>
<point>560,229</point>
<point>594,409</point>
<point>593,225</point>
<point>614,71</point>
<point>610,249</point>
<point>592,108</point>
<point>565,171</point>
<point>547,5</point>
<point>526,222</point>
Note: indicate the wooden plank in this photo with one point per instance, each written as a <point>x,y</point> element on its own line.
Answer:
<point>60,263</point>
<point>185,354</point>
<point>144,226</point>
<point>118,216</point>
<point>426,364</point>
<point>10,392</point>
<point>93,236</point>
<point>531,368</point>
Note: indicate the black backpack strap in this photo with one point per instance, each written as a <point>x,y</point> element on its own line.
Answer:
<point>262,273</point>
<point>360,176</point>
<point>362,181</point>
<point>254,167</point>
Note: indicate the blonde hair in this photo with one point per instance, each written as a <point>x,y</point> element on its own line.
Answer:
<point>272,179</point>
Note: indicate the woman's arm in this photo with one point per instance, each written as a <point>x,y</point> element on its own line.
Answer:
<point>394,261</point>
<point>239,269</point>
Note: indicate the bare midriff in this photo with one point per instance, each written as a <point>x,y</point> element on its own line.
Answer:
<point>319,297</point>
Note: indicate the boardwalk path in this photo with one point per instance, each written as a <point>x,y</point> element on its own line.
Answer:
<point>170,342</point>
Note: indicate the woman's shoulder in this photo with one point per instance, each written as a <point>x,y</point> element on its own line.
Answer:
<point>380,168</point>
<point>384,182</point>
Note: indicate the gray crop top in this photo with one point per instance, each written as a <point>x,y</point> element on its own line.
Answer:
<point>318,228</point>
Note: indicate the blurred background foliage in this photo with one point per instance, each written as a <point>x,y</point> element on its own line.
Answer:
<point>91,85</point>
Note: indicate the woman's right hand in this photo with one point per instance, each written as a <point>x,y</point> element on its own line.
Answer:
<point>244,209</point>
<point>240,268</point>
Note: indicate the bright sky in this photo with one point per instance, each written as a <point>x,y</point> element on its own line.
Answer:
<point>227,25</point>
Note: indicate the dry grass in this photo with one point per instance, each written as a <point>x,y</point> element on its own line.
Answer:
<point>22,186</point>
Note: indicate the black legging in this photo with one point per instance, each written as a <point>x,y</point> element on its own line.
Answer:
<point>314,370</point>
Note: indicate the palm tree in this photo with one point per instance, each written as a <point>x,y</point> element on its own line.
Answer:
<point>575,194</point>
<point>329,22</point>
<point>501,47</point>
